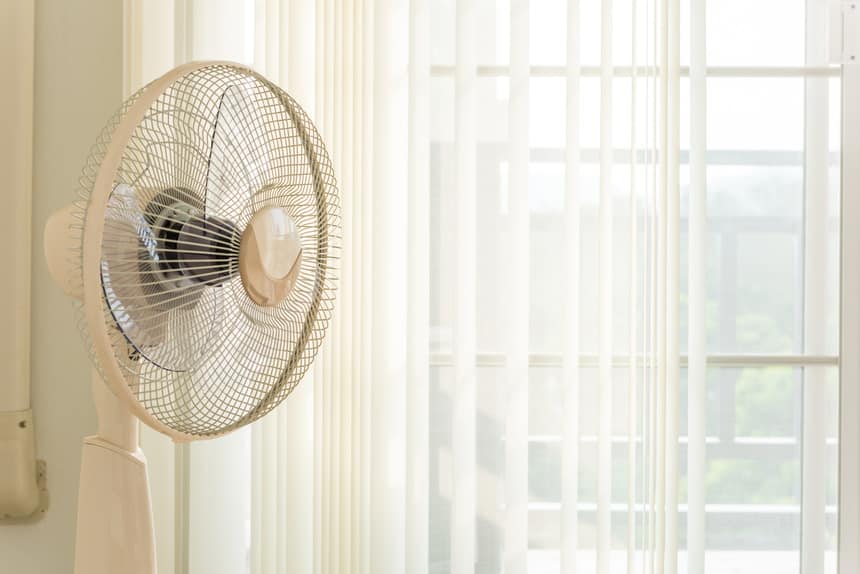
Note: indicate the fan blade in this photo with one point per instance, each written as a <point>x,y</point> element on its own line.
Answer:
<point>239,157</point>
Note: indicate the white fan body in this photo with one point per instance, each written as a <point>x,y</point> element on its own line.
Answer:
<point>114,522</point>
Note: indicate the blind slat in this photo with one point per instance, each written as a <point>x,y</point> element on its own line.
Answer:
<point>660,296</point>
<point>367,301</point>
<point>320,436</point>
<point>463,392</point>
<point>605,291</point>
<point>633,312</point>
<point>297,32</point>
<point>672,284</point>
<point>336,545</point>
<point>389,292</point>
<point>696,258</point>
<point>346,304</point>
<point>360,502</point>
<point>517,388</point>
<point>418,317</point>
<point>570,357</point>
<point>652,27</point>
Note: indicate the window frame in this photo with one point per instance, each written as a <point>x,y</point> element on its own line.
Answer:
<point>849,318</point>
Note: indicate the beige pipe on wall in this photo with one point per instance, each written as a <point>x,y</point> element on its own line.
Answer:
<point>19,493</point>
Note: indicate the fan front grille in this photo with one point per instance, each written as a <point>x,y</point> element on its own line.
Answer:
<point>216,146</point>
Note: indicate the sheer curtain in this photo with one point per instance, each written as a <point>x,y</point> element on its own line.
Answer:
<point>560,340</point>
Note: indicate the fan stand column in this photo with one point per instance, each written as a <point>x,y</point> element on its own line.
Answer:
<point>113,499</point>
<point>116,424</point>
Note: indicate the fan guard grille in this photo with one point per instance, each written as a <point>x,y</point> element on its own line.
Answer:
<point>216,146</point>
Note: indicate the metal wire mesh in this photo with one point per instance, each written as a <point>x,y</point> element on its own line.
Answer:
<point>218,145</point>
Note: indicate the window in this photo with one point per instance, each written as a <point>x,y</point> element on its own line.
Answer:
<point>772,156</point>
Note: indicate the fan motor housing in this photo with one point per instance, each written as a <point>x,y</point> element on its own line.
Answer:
<point>190,248</point>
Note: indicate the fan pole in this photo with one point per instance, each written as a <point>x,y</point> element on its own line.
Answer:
<point>114,528</point>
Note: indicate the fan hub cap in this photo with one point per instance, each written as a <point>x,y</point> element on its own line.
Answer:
<point>270,256</point>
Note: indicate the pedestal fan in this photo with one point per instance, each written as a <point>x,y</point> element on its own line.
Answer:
<point>201,252</point>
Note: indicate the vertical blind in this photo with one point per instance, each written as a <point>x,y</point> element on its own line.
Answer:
<point>546,354</point>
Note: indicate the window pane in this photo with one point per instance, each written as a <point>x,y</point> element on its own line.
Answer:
<point>752,476</point>
<point>442,30</point>
<point>589,32</point>
<point>755,32</point>
<point>548,32</point>
<point>754,457</point>
<point>755,113</point>
<point>755,268</point>
<point>489,472</point>
<point>440,470</point>
<point>547,112</point>
<point>546,290</point>
<point>493,29</point>
<point>493,256</point>
<point>490,483</point>
<point>442,185</point>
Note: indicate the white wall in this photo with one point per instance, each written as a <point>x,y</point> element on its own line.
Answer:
<point>78,85</point>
